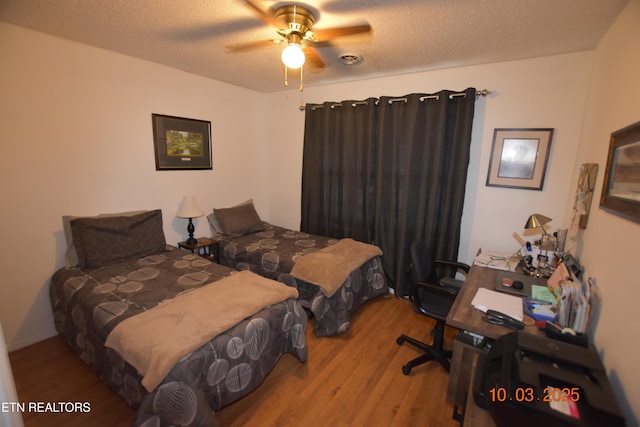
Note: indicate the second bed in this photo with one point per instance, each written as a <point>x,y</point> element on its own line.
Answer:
<point>247,243</point>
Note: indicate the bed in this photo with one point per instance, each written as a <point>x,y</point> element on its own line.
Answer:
<point>125,271</point>
<point>248,243</point>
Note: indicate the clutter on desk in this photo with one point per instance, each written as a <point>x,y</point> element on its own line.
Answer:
<point>571,288</point>
<point>543,255</point>
<point>574,304</point>
<point>540,311</point>
<point>557,288</point>
<point>564,298</point>
<point>505,261</point>
<point>574,292</point>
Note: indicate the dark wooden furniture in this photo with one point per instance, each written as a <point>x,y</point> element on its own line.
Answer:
<point>206,248</point>
<point>468,320</point>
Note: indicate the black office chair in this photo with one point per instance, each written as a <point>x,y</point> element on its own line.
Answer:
<point>434,290</point>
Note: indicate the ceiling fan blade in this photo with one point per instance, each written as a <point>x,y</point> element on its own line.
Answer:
<point>265,16</point>
<point>247,46</point>
<point>312,58</point>
<point>332,33</point>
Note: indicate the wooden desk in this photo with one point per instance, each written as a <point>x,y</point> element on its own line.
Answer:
<point>465,317</point>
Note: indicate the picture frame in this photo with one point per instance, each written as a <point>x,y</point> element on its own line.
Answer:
<point>519,158</point>
<point>181,143</point>
<point>621,185</point>
<point>584,192</point>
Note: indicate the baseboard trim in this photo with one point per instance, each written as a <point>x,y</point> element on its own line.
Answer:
<point>25,342</point>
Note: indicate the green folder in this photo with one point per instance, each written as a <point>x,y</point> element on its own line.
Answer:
<point>542,293</point>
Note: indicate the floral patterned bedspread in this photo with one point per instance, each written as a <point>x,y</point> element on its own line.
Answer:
<point>273,252</point>
<point>87,304</point>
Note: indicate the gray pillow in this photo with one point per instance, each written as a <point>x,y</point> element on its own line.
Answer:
<point>239,220</point>
<point>71,255</point>
<point>213,221</point>
<point>106,240</point>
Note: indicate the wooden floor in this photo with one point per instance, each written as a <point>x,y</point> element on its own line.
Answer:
<point>351,380</point>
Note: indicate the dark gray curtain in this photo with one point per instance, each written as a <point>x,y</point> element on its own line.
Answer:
<point>338,175</point>
<point>389,172</point>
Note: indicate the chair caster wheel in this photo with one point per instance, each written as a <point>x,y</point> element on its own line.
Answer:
<point>406,369</point>
<point>400,340</point>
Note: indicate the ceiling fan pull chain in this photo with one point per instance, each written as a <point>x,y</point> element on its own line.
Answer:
<point>286,80</point>
<point>301,88</point>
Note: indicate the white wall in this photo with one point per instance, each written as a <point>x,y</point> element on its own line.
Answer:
<point>610,243</point>
<point>77,139</point>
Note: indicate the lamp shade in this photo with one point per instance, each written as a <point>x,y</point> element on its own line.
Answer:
<point>537,220</point>
<point>189,208</point>
<point>293,56</point>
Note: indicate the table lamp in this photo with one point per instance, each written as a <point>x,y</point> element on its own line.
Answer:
<point>190,210</point>
<point>537,221</point>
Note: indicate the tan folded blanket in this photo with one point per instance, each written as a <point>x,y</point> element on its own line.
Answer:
<point>329,267</point>
<point>154,341</point>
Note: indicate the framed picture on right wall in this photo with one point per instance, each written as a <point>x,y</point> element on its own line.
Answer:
<point>621,187</point>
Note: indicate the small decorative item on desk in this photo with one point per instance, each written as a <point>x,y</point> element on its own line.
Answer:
<point>205,247</point>
<point>505,261</point>
<point>535,222</point>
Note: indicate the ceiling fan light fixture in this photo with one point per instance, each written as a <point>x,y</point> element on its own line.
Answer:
<point>294,23</point>
<point>293,56</point>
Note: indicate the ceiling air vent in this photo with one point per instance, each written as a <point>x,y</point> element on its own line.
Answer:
<point>350,59</point>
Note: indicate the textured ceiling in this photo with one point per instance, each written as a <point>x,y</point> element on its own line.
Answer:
<point>408,35</point>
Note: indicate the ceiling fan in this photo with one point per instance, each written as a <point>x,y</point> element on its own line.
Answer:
<point>294,23</point>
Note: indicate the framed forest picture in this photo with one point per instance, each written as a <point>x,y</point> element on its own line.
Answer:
<point>181,143</point>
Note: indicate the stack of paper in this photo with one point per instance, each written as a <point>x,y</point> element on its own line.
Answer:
<point>486,299</point>
<point>574,304</point>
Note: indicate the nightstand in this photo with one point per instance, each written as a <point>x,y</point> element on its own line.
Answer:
<point>206,248</point>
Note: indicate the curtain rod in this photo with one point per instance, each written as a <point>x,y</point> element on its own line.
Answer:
<point>483,92</point>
